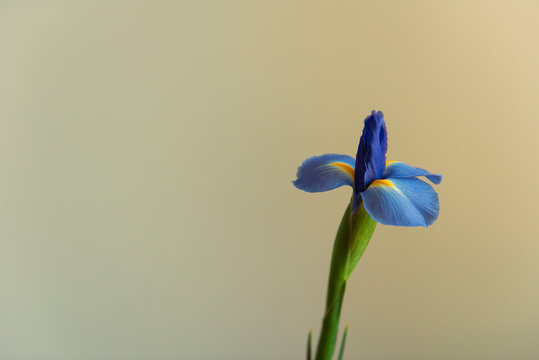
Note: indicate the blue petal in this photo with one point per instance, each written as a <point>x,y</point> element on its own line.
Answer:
<point>401,202</point>
<point>397,169</point>
<point>325,172</point>
<point>371,152</point>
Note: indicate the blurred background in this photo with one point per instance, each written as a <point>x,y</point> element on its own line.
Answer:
<point>146,157</point>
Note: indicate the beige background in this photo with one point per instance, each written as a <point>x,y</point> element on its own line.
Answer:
<point>146,154</point>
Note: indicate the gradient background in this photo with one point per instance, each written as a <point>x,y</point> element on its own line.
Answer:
<point>146,154</point>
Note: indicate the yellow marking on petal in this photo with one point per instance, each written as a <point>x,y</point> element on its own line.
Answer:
<point>382,182</point>
<point>344,167</point>
<point>390,162</point>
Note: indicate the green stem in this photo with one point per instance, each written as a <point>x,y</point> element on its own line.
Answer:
<point>352,238</point>
<point>336,288</point>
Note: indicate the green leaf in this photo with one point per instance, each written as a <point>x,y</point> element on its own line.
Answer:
<point>309,346</point>
<point>362,228</point>
<point>343,342</point>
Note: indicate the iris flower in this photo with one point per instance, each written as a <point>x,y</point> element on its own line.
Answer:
<point>386,192</point>
<point>390,191</point>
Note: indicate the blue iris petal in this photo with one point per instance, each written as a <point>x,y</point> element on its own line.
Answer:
<point>397,169</point>
<point>401,202</point>
<point>371,152</point>
<point>325,172</point>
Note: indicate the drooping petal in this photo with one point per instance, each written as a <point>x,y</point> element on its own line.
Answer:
<point>401,202</point>
<point>325,172</point>
<point>397,169</point>
<point>371,152</point>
